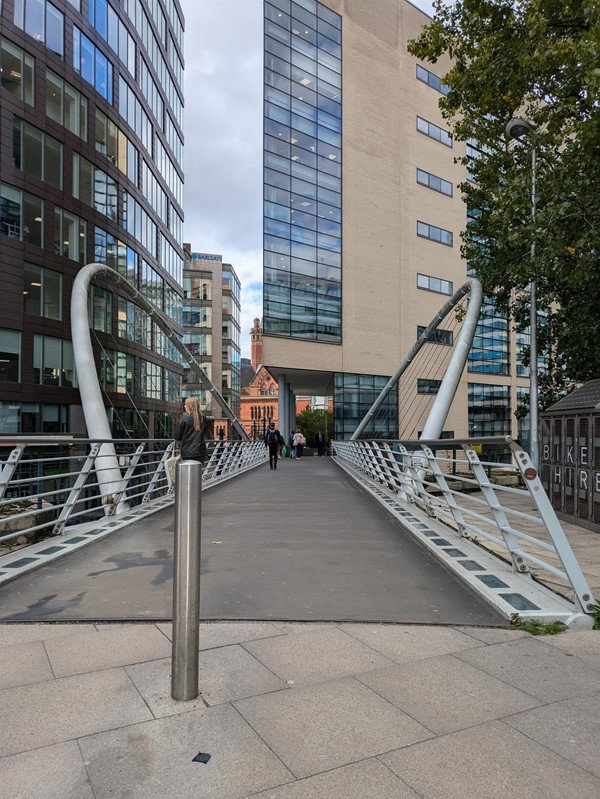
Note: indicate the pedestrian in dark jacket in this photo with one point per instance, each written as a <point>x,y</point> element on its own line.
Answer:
<point>320,438</point>
<point>191,431</point>
<point>272,441</point>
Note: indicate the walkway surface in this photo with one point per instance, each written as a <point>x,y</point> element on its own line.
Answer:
<point>303,543</point>
<point>292,711</point>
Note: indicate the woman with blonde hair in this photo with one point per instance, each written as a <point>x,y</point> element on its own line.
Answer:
<point>191,432</point>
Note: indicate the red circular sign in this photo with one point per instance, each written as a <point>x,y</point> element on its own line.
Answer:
<point>530,474</point>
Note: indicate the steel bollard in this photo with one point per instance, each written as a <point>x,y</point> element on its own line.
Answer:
<point>186,580</point>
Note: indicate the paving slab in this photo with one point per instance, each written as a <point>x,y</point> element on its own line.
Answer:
<point>107,648</point>
<point>215,634</point>
<point>585,644</point>
<point>321,727</point>
<point>21,633</point>
<point>534,667</point>
<point>225,674</point>
<point>315,656</point>
<point>50,712</point>
<point>571,728</point>
<point>53,772</point>
<point>24,663</point>
<point>490,761</point>
<point>369,779</point>
<point>494,635</point>
<point>445,694</point>
<point>155,760</point>
<point>403,643</point>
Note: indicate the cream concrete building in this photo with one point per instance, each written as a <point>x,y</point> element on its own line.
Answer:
<point>362,222</point>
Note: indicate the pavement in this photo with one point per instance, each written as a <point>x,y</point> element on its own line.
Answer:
<point>300,711</point>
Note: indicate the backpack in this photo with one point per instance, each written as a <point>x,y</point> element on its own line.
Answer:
<point>272,438</point>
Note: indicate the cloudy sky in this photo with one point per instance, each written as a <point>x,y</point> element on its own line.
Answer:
<point>223,139</point>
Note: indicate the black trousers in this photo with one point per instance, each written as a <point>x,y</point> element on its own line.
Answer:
<point>273,455</point>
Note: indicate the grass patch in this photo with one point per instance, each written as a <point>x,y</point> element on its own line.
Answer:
<point>537,628</point>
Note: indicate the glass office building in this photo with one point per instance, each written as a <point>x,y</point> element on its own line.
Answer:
<point>92,92</point>
<point>362,223</point>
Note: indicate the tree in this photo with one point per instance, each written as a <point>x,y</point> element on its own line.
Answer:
<point>539,59</point>
<point>311,421</point>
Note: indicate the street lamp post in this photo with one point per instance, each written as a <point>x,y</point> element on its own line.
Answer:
<point>517,128</point>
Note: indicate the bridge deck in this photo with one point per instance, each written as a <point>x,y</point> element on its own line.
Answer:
<point>304,542</point>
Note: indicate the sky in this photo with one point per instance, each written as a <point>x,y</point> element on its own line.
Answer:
<point>223,139</point>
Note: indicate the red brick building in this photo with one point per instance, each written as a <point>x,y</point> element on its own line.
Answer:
<point>259,396</point>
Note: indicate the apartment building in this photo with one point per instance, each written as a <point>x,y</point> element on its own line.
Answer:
<point>211,331</point>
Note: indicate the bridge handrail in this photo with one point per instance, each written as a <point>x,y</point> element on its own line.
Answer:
<point>419,476</point>
<point>49,483</point>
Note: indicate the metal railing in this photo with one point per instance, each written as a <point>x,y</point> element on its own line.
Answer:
<point>48,484</point>
<point>474,498</point>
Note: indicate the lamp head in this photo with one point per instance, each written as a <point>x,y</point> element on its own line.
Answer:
<point>517,127</point>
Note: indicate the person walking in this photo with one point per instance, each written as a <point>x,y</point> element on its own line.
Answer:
<point>190,431</point>
<point>272,441</point>
<point>320,439</point>
<point>299,444</point>
<point>292,445</point>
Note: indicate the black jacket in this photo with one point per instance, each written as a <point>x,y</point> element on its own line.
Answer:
<point>193,442</point>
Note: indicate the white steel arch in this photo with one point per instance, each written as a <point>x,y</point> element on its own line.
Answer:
<point>439,410</point>
<point>89,386</point>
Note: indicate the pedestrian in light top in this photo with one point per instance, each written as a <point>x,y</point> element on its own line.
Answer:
<point>299,442</point>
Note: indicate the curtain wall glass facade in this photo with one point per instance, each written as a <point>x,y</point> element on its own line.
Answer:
<point>352,398</point>
<point>303,171</point>
<point>93,95</point>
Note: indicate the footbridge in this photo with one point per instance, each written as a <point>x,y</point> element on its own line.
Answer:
<point>384,531</point>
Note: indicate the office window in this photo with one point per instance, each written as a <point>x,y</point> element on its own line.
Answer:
<point>151,378</point>
<point>93,66</point>
<point>70,235</point>
<point>66,105</point>
<point>489,352</point>
<point>133,323</point>
<point>353,396</point>
<point>21,215</point>
<point>431,80</point>
<point>434,182</point>
<point>53,363</point>
<point>100,309</point>
<point>198,344</point>
<point>434,132</point>
<point>42,292</point>
<point>37,153</point>
<point>488,410</point>
<point>433,233</point>
<point>43,21</point>
<point>428,283</point>
<point>438,336</point>
<point>93,186</point>
<point>10,356</point>
<point>426,386</point>
<point>16,71</point>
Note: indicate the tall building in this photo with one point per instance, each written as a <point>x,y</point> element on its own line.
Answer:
<point>211,322</point>
<point>362,222</point>
<point>91,108</point>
